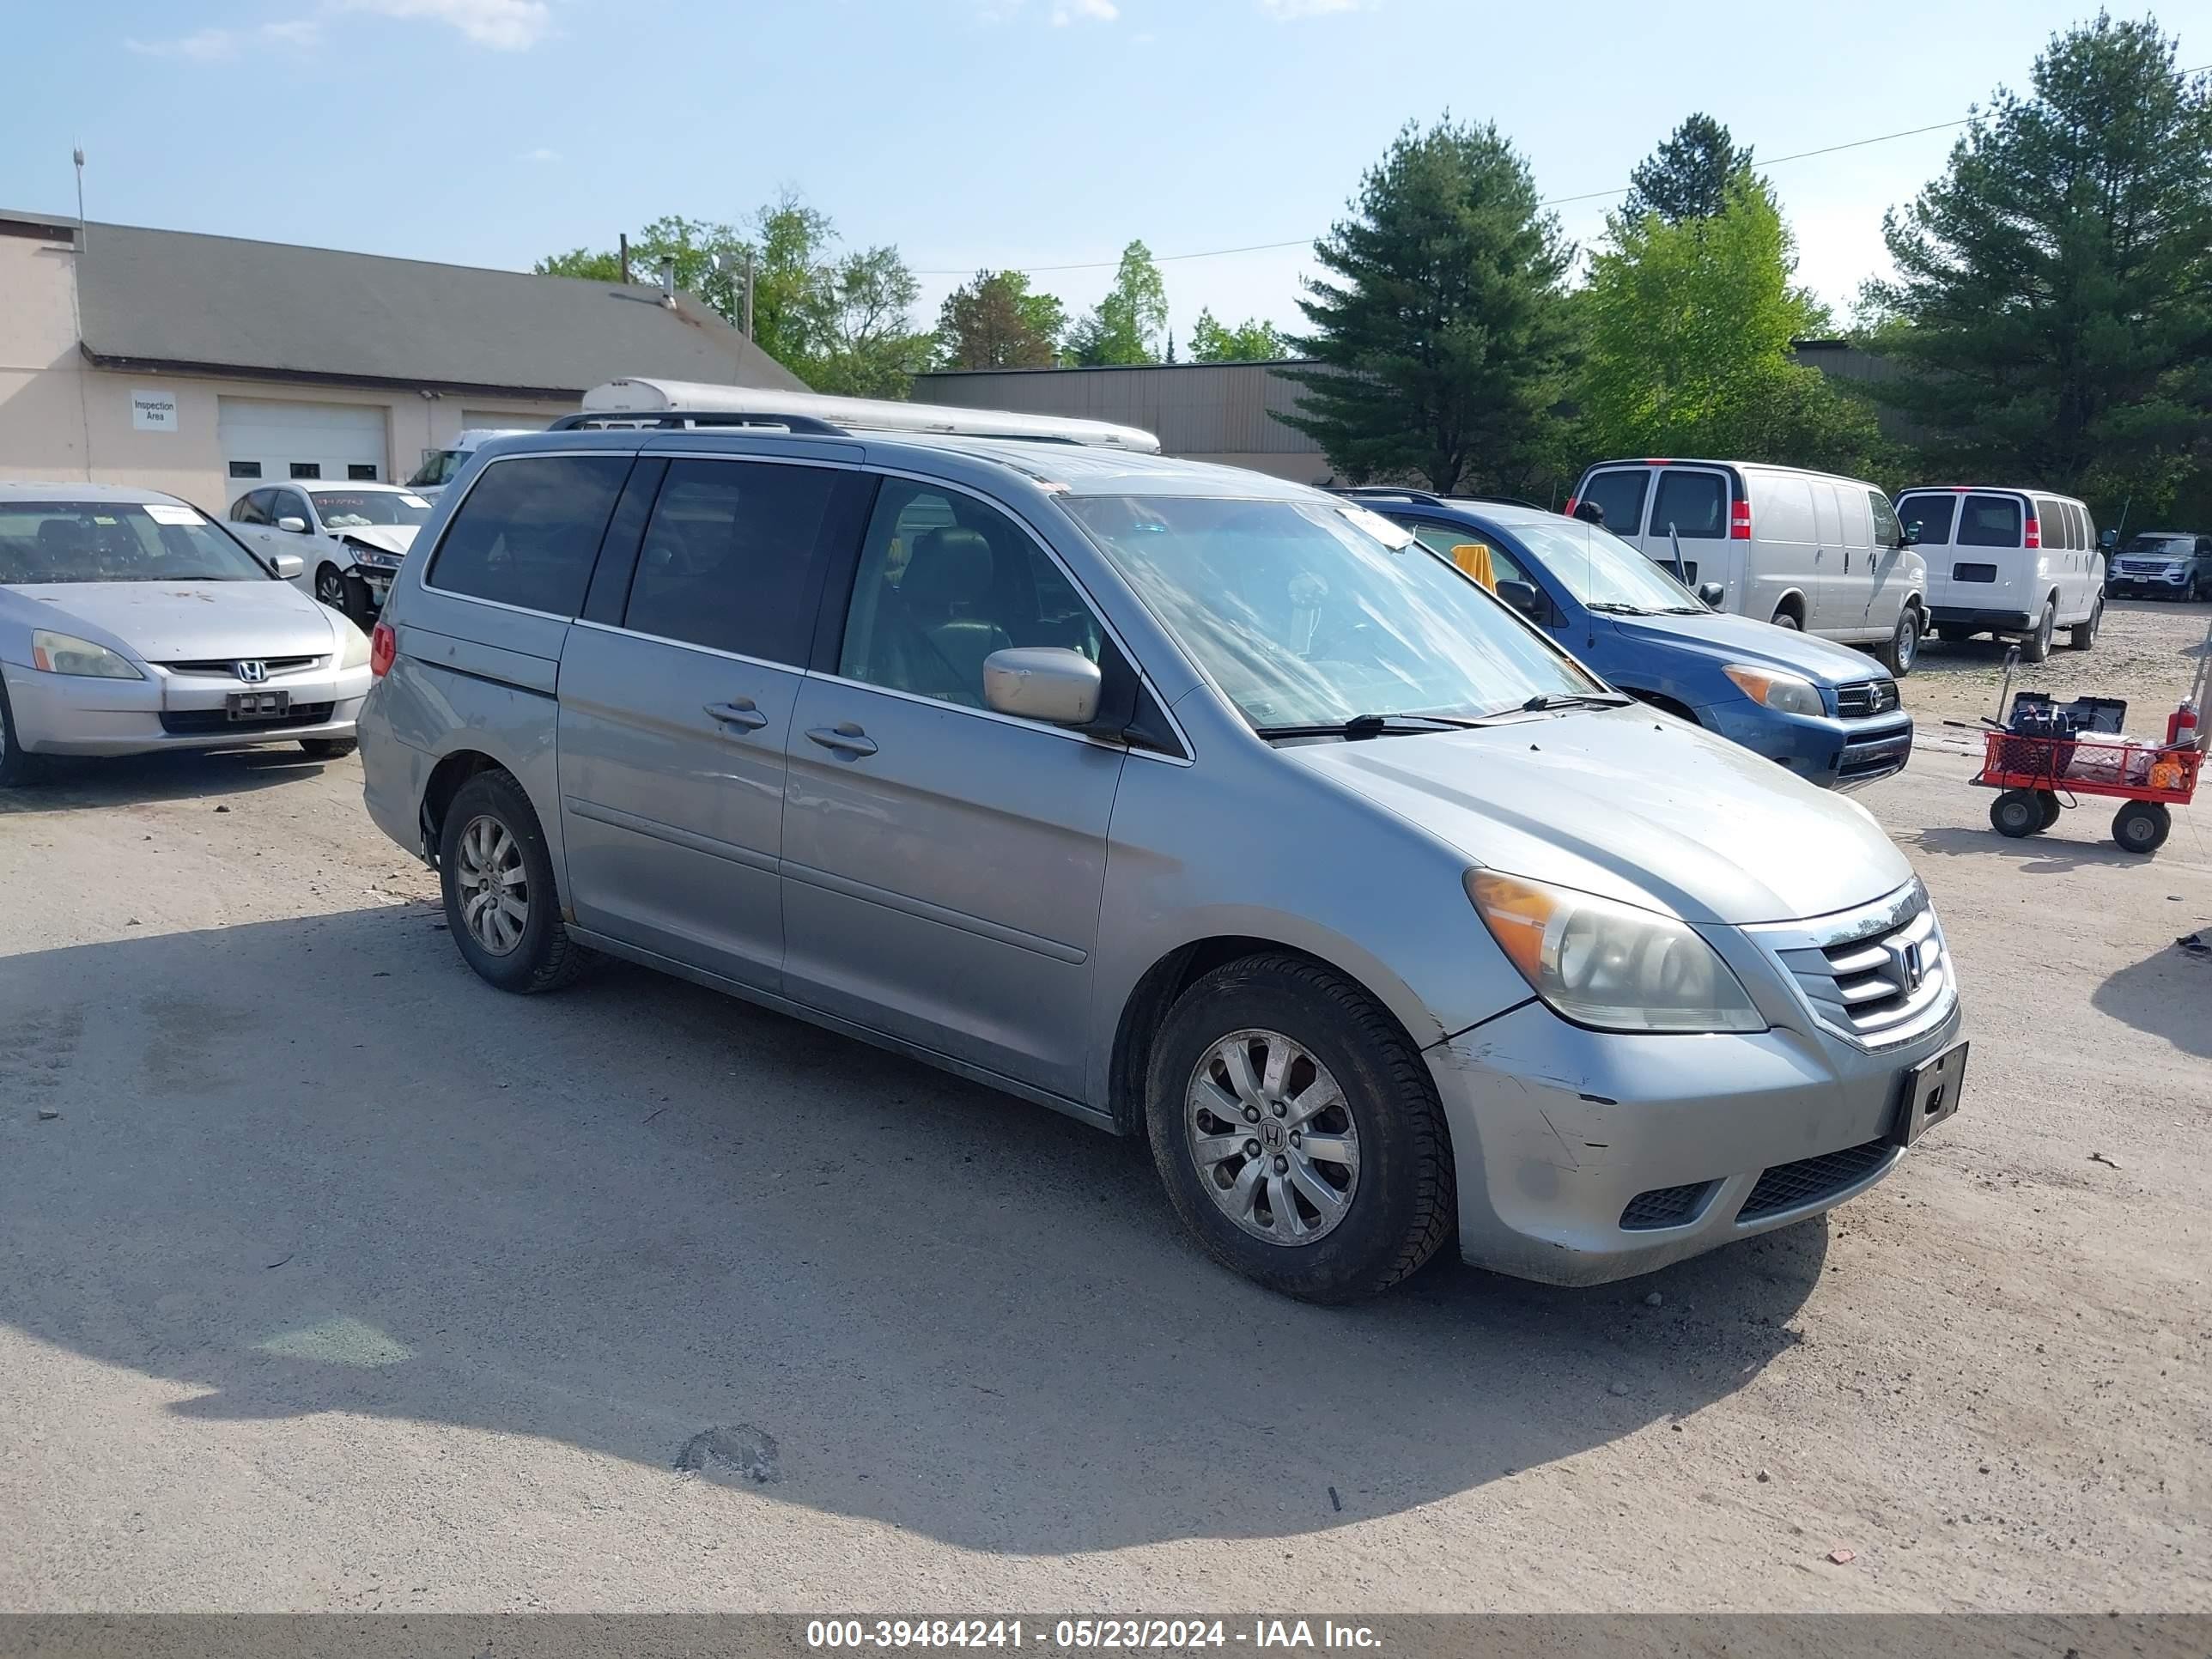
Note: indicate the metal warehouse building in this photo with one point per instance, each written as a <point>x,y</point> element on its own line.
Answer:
<point>201,364</point>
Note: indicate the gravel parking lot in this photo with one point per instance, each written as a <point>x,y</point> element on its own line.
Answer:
<point>330,1278</point>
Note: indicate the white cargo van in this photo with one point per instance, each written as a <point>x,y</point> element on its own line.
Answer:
<point>439,465</point>
<point>2016,563</point>
<point>1809,550</point>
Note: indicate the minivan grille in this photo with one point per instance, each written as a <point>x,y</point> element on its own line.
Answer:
<point>1873,986</point>
<point>1862,699</point>
<point>1809,1180</point>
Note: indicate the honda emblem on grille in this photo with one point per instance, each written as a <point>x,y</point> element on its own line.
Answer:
<point>251,671</point>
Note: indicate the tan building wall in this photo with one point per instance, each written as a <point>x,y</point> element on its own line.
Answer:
<point>62,418</point>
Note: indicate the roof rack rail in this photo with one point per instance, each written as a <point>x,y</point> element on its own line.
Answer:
<point>1392,492</point>
<point>687,403</point>
<point>676,420</point>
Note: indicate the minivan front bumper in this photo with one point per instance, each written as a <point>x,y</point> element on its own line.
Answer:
<point>1585,1157</point>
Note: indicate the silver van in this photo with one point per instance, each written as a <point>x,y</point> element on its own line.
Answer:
<point>1188,802</point>
<point>1809,550</point>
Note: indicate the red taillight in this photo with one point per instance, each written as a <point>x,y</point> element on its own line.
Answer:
<point>2034,533</point>
<point>383,647</point>
<point>1739,520</point>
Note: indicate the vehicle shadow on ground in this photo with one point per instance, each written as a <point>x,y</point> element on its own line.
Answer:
<point>67,783</point>
<point>2065,847</point>
<point>2165,995</point>
<point>621,1216</point>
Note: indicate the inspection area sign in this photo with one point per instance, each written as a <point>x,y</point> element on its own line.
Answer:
<point>152,410</point>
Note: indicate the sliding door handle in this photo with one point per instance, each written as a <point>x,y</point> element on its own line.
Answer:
<point>738,712</point>
<point>846,739</point>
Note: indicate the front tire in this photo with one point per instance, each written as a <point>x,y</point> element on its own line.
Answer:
<point>1788,619</point>
<point>2037,645</point>
<point>1298,1132</point>
<point>2082,635</point>
<point>1904,647</point>
<point>497,877</point>
<point>346,594</point>
<point>2017,813</point>
<point>18,766</point>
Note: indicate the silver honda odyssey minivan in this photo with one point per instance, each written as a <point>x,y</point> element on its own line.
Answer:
<point>1188,802</point>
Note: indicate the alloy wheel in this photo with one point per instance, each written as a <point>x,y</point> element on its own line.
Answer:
<point>1275,1143</point>
<point>330,587</point>
<point>494,886</point>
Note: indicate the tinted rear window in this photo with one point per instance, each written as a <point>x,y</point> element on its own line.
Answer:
<point>529,531</point>
<point>1989,522</point>
<point>1930,515</point>
<point>729,557</point>
<point>1694,503</point>
<point>1619,496</point>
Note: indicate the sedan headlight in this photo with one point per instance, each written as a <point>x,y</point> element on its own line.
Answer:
<point>1786,694</point>
<point>65,653</point>
<point>355,653</point>
<point>1610,965</point>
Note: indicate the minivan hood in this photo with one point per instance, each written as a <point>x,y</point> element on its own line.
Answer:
<point>1632,805</point>
<point>1756,645</point>
<point>182,622</point>
<point>388,537</point>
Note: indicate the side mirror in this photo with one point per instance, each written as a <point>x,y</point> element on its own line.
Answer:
<point>297,526</point>
<point>1912,535</point>
<point>1047,683</point>
<point>1712,593</point>
<point>287,566</point>
<point>1521,595</point>
<point>2109,540</point>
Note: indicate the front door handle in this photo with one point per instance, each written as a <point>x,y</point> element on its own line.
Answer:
<point>739,711</point>
<point>846,739</point>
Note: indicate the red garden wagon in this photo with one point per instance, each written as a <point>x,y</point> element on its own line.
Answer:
<point>2033,772</point>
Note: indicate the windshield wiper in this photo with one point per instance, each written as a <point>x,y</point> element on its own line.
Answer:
<point>1373,725</point>
<point>1575,700</point>
<point>1686,611</point>
<point>1617,608</point>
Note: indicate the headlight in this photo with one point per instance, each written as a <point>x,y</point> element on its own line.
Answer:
<point>65,653</point>
<point>356,654</point>
<point>1607,964</point>
<point>1785,694</point>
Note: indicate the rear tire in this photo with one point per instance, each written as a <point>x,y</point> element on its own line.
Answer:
<point>2016,813</point>
<point>501,902</point>
<point>2142,826</point>
<point>2037,645</point>
<point>1261,1039</point>
<point>1953,635</point>
<point>1904,647</point>
<point>2082,635</point>
<point>326,749</point>
<point>1789,619</point>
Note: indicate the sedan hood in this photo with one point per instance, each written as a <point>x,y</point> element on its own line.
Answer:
<point>182,622</point>
<point>387,538</point>
<point>1630,805</point>
<point>1757,644</point>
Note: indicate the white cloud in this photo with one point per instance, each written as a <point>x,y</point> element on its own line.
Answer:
<point>1094,11</point>
<point>213,45</point>
<point>1284,10</point>
<point>502,25</point>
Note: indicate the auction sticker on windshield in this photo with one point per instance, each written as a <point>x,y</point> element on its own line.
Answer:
<point>164,512</point>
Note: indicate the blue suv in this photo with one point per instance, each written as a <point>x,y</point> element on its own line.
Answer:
<point>1824,711</point>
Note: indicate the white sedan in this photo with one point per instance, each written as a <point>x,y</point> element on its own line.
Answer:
<point>350,539</point>
<point>129,622</point>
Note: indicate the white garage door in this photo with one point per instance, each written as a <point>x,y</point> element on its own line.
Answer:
<point>472,419</point>
<point>272,443</point>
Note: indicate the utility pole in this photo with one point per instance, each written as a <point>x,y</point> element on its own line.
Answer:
<point>749,293</point>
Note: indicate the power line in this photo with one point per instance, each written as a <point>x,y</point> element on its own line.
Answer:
<point>1548,201</point>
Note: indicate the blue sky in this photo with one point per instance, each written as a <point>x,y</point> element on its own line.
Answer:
<point>969,133</point>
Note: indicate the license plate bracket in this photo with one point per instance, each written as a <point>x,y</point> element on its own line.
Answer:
<point>254,706</point>
<point>1931,1094</point>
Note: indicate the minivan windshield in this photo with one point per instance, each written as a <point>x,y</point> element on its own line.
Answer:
<point>1601,570</point>
<point>439,467</point>
<point>1315,613</point>
<point>64,541</point>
